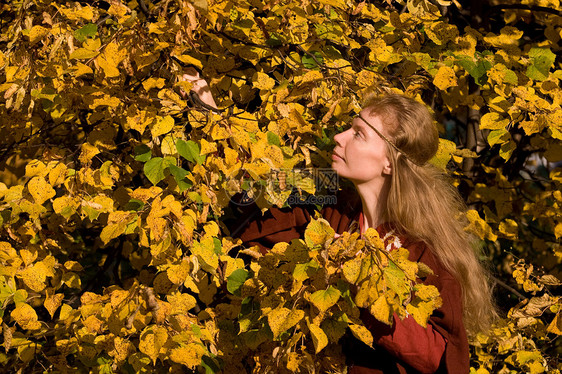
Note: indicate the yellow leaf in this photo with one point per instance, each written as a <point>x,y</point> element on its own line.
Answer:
<point>281,319</point>
<point>509,36</point>
<point>123,349</point>
<point>262,81</point>
<point>444,152</point>
<point>117,224</point>
<point>325,299</point>
<point>83,54</point>
<point>273,154</point>
<point>162,284</point>
<point>35,168</point>
<point>73,266</point>
<point>372,238</point>
<point>426,292</point>
<point>351,269</point>
<point>207,147</point>
<point>190,60</point>
<point>110,59</point>
<point>257,169</point>
<point>318,232</point>
<point>35,276</point>
<point>153,83</point>
<point>558,230</point>
<point>181,303</point>
<point>177,274</point>
<point>362,333</point>
<point>40,189</point>
<point>441,32</point>
<point>382,310</point>
<point>52,301</point>
<point>28,256</point>
<point>78,12</point>
<point>421,310</point>
<point>152,341</point>
<point>162,126</point>
<point>37,33</point>
<point>25,316</point>
<point>445,78</point>
<point>509,229</point>
<point>93,324</point>
<point>189,355</point>
<point>58,174</point>
<point>88,152</point>
<point>66,206</point>
<point>319,337</point>
<point>205,252</point>
<point>81,69</point>
<point>493,121</point>
<point>72,280</point>
<point>479,227</point>
<point>555,327</point>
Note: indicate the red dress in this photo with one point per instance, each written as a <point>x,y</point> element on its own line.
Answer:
<point>406,347</point>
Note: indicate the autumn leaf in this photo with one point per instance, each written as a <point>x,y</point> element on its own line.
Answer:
<point>162,126</point>
<point>445,78</point>
<point>25,316</point>
<point>40,189</point>
<point>362,333</point>
<point>318,232</point>
<point>325,299</point>
<point>189,355</point>
<point>281,319</point>
<point>152,340</point>
<point>319,338</point>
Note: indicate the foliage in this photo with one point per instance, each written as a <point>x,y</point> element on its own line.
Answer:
<point>115,187</point>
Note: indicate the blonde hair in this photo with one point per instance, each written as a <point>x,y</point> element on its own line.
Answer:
<point>425,206</point>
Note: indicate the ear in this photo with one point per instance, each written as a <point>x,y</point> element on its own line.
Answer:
<point>387,167</point>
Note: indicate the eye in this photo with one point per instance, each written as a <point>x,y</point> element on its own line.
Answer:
<point>357,134</point>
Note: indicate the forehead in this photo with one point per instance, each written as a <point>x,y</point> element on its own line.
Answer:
<point>366,122</point>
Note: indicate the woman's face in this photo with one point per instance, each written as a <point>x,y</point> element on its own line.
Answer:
<point>360,154</point>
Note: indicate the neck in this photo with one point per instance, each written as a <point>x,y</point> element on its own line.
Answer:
<point>373,201</point>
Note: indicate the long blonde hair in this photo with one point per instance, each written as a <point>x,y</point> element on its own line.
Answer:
<point>426,206</point>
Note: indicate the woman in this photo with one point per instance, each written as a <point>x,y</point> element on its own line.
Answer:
<point>385,155</point>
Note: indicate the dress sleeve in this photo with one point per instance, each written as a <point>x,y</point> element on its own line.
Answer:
<point>419,347</point>
<point>273,226</point>
<point>284,224</point>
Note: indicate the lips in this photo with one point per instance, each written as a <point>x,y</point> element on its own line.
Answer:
<point>336,156</point>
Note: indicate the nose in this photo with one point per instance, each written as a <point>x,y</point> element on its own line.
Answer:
<point>339,138</point>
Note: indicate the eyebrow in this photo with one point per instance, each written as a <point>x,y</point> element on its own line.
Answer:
<point>383,137</point>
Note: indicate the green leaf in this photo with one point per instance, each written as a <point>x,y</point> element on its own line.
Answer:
<point>396,279</point>
<point>477,69</point>
<point>507,149</point>
<point>135,205</point>
<point>143,153</point>
<point>154,169</point>
<point>190,151</point>
<point>235,280</point>
<point>273,139</point>
<point>180,177</point>
<point>86,31</point>
<point>498,137</point>
<point>309,62</point>
<point>324,299</point>
<point>303,271</point>
<point>542,60</point>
